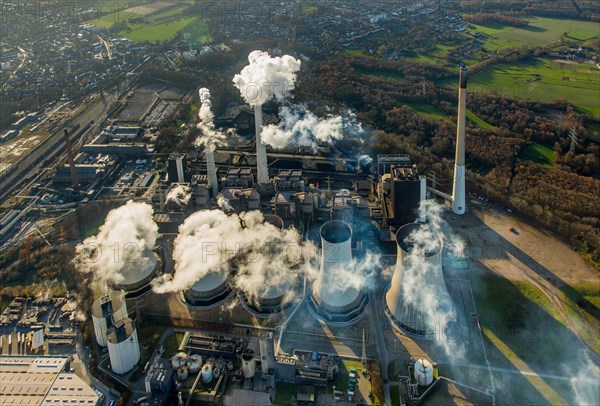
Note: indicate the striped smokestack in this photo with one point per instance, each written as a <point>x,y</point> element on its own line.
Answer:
<point>458,187</point>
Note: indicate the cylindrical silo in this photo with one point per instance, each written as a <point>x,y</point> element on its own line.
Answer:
<point>207,374</point>
<point>123,346</point>
<point>180,359</point>
<point>194,363</point>
<point>137,274</point>
<point>332,297</point>
<point>182,373</point>
<point>209,290</point>
<point>105,311</point>
<point>423,372</point>
<point>248,363</point>
<point>418,297</point>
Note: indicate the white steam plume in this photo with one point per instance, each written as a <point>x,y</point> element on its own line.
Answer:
<point>265,256</point>
<point>121,245</point>
<point>585,381</point>
<point>179,195</point>
<point>223,203</point>
<point>266,77</point>
<point>301,127</point>
<point>210,137</point>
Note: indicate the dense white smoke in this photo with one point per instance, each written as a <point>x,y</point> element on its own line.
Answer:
<point>121,245</point>
<point>301,127</point>
<point>223,203</point>
<point>265,78</point>
<point>585,381</point>
<point>423,285</point>
<point>210,137</point>
<point>266,257</point>
<point>179,195</point>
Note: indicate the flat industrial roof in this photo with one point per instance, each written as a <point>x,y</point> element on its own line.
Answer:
<point>39,380</point>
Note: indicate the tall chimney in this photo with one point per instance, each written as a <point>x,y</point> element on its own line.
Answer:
<point>458,187</point>
<point>71,159</point>
<point>262,165</point>
<point>211,171</point>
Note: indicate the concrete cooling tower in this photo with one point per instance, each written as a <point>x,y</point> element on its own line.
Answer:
<point>331,299</point>
<point>270,299</point>
<point>210,290</point>
<point>418,288</point>
<point>106,310</point>
<point>123,346</point>
<point>138,274</point>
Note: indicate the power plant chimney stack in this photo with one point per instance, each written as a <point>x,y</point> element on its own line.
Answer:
<point>71,159</point>
<point>211,171</point>
<point>458,187</point>
<point>262,165</point>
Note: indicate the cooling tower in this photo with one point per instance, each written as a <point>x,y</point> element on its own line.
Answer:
<point>458,187</point>
<point>267,352</point>
<point>274,220</point>
<point>209,290</point>
<point>136,275</point>
<point>418,267</point>
<point>334,300</point>
<point>123,346</point>
<point>262,165</point>
<point>211,171</point>
<point>105,311</point>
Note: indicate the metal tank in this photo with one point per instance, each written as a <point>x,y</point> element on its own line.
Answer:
<point>423,372</point>
<point>180,359</point>
<point>182,373</point>
<point>194,363</point>
<point>207,374</point>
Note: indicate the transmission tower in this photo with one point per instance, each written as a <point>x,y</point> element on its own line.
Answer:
<point>574,140</point>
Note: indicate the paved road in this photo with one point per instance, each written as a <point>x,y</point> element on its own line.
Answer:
<point>381,348</point>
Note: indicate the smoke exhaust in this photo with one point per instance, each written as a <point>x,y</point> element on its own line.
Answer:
<point>262,165</point>
<point>458,187</point>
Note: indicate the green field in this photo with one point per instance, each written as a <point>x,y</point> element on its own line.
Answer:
<point>158,32</point>
<point>542,79</point>
<point>429,112</point>
<point>540,31</point>
<point>472,117</point>
<point>539,154</point>
<point>198,31</point>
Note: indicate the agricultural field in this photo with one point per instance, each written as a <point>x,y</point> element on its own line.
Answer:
<point>154,22</point>
<point>545,80</point>
<point>540,31</point>
<point>429,112</point>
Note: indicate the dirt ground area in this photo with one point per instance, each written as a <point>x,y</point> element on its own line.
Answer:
<point>490,240</point>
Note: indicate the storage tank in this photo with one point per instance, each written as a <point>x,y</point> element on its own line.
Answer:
<point>136,275</point>
<point>105,310</point>
<point>423,372</point>
<point>180,359</point>
<point>194,363</point>
<point>123,346</point>
<point>209,290</point>
<point>417,288</point>
<point>207,374</point>
<point>182,373</point>
<point>331,299</point>
<point>248,363</point>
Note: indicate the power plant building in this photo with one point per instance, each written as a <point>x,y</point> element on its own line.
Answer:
<point>177,168</point>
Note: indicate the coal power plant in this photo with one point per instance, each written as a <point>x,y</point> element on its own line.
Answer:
<point>272,258</point>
